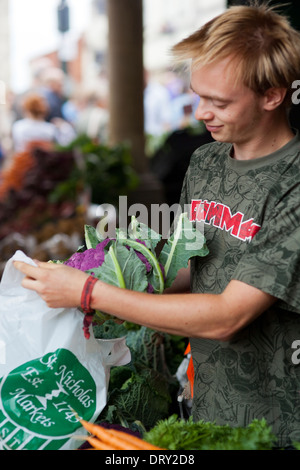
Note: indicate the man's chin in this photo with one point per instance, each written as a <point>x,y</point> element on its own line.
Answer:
<point>219,138</point>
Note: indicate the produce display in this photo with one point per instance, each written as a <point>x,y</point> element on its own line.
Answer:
<point>36,215</point>
<point>45,193</point>
<point>107,170</point>
<point>178,434</point>
<point>26,189</point>
<point>12,177</point>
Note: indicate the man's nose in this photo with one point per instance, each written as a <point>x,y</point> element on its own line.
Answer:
<point>203,111</point>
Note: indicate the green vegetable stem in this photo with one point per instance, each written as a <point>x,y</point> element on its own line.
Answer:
<point>117,268</point>
<point>157,272</point>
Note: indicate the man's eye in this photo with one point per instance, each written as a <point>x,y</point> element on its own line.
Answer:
<point>219,104</point>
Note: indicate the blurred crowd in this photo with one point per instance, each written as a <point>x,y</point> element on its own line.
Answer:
<point>53,111</point>
<point>48,111</point>
<point>169,103</point>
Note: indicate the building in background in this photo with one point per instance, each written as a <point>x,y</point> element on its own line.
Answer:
<point>4,42</point>
<point>170,21</point>
<point>164,24</point>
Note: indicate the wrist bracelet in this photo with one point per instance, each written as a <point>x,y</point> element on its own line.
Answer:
<point>87,293</point>
<point>85,305</point>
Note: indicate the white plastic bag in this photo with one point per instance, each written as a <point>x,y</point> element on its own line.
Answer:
<point>50,374</point>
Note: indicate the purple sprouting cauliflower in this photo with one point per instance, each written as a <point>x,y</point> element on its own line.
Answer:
<point>88,259</point>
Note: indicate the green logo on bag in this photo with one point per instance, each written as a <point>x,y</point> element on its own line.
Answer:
<point>44,397</point>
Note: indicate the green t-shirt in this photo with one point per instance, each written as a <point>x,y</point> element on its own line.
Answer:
<point>251,216</point>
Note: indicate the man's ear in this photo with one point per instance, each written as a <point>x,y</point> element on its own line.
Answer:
<point>273,98</point>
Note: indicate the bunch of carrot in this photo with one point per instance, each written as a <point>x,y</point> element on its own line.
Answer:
<point>101,438</point>
<point>13,175</point>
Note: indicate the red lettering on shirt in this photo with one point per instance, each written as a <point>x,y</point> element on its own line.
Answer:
<point>219,215</point>
<point>214,214</point>
<point>231,222</point>
<point>248,230</point>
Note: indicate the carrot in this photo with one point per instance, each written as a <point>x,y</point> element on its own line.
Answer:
<point>143,445</point>
<point>99,445</point>
<point>104,435</point>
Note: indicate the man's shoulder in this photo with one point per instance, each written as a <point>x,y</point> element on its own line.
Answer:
<point>210,150</point>
<point>213,147</point>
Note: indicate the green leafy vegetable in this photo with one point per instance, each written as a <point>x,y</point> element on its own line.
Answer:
<point>144,397</point>
<point>178,434</point>
<point>122,268</point>
<point>186,242</point>
<point>106,170</point>
<point>140,231</point>
<point>92,237</point>
<point>150,350</point>
<point>130,260</point>
<point>157,278</point>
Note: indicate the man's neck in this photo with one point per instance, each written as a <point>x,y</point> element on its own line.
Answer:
<point>265,143</point>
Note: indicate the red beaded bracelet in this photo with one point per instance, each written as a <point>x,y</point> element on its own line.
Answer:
<point>85,305</point>
<point>87,293</point>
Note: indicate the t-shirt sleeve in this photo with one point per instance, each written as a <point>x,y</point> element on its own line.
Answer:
<point>271,261</point>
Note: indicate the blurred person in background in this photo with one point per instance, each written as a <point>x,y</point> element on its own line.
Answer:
<point>183,108</point>
<point>33,126</point>
<point>38,69</point>
<point>52,81</point>
<point>1,155</point>
<point>52,88</point>
<point>157,106</point>
<point>93,117</point>
<point>7,117</point>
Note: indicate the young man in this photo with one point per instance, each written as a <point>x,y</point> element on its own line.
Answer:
<point>242,315</point>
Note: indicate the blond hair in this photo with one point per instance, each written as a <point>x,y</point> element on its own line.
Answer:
<point>263,42</point>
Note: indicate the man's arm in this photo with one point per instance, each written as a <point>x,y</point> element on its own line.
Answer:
<point>213,316</point>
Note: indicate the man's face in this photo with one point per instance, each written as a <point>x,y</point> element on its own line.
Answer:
<point>231,112</point>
